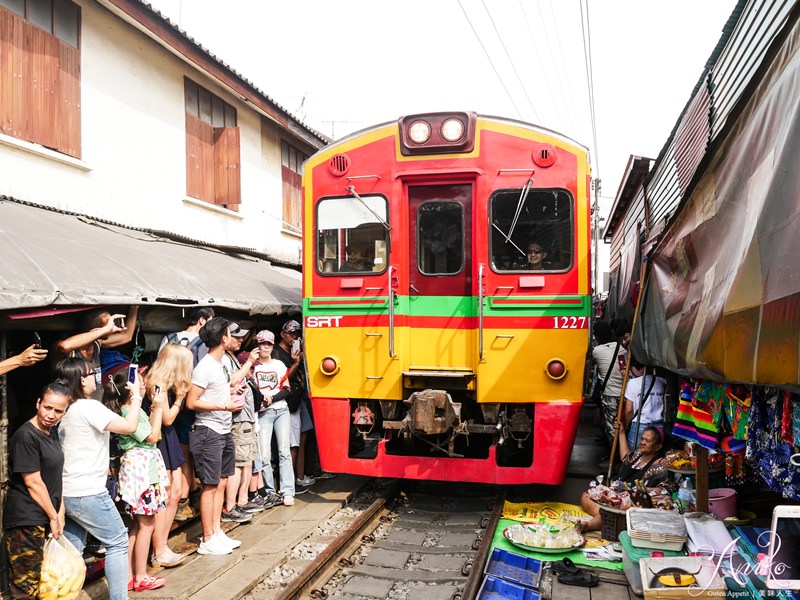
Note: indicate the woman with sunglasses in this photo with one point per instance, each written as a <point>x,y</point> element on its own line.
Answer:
<point>85,434</point>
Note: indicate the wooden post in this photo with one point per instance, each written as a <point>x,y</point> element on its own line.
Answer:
<point>701,479</point>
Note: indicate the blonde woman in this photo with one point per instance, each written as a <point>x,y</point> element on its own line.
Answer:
<point>171,372</point>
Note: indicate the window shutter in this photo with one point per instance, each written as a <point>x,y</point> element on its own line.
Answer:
<point>227,191</point>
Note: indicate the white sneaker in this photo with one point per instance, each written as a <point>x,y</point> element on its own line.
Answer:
<point>226,541</point>
<point>288,500</point>
<point>213,546</point>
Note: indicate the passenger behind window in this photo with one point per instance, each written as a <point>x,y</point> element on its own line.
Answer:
<point>357,258</point>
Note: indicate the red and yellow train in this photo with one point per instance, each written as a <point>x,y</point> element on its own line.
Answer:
<point>447,299</point>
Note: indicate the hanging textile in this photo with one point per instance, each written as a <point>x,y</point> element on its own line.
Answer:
<point>766,450</point>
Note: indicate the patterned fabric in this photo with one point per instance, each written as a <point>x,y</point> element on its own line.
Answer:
<point>695,420</point>
<point>766,451</point>
<point>143,481</point>
<point>656,472</point>
<point>736,405</point>
<point>25,546</point>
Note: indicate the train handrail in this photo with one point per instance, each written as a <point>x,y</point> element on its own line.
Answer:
<point>391,313</point>
<point>480,312</point>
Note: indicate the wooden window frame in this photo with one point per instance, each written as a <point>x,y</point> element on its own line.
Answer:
<point>40,79</point>
<point>292,161</point>
<point>213,161</point>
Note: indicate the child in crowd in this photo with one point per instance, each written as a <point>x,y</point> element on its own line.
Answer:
<point>172,372</point>
<point>143,480</point>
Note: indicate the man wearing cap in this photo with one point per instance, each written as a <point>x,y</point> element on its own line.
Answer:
<point>210,440</point>
<point>236,507</point>
<point>272,378</point>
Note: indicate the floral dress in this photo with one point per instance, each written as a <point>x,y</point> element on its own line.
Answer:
<point>143,479</point>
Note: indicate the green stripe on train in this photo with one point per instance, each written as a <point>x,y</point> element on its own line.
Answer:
<point>453,306</point>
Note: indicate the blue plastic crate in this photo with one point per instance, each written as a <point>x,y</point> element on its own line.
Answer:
<point>499,589</point>
<point>514,567</point>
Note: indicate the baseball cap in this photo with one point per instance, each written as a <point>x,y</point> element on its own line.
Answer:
<point>291,326</point>
<point>237,331</point>
<point>265,335</point>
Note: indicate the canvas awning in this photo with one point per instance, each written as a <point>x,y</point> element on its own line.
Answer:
<point>723,298</point>
<point>54,259</point>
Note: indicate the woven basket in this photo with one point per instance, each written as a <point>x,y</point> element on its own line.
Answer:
<point>614,522</point>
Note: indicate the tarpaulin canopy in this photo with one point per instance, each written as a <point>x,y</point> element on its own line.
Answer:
<point>723,298</point>
<point>54,259</point>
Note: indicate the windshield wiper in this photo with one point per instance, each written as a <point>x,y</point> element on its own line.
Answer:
<point>381,220</point>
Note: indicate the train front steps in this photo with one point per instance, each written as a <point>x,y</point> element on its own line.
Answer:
<point>266,541</point>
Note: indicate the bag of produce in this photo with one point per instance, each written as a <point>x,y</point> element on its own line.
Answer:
<point>63,570</point>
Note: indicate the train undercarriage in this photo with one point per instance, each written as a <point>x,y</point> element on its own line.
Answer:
<point>440,423</point>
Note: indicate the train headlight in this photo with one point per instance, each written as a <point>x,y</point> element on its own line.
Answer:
<point>419,132</point>
<point>556,369</point>
<point>452,130</point>
<point>330,365</point>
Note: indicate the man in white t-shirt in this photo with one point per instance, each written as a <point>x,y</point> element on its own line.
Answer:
<point>210,440</point>
<point>646,391</point>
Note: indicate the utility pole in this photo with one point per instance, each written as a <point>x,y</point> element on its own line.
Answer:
<point>596,236</point>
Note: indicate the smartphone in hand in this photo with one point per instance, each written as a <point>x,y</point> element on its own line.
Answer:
<point>37,340</point>
<point>132,373</point>
<point>296,345</point>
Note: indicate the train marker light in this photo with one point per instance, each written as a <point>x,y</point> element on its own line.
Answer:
<point>453,130</point>
<point>556,369</point>
<point>419,132</point>
<point>329,366</point>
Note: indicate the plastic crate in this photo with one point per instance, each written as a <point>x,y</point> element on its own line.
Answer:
<point>494,588</point>
<point>514,568</point>
<point>613,522</point>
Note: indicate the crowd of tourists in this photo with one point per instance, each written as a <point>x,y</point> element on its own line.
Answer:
<point>206,427</point>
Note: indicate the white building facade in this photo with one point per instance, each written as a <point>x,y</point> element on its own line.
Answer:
<point>107,109</point>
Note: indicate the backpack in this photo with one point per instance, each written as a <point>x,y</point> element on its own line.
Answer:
<point>196,346</point>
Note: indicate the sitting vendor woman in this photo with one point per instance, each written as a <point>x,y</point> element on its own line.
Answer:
<point>645,463</point>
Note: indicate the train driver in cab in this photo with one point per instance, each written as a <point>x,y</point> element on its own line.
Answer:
<point>537,257</point>
<point>357,258</point>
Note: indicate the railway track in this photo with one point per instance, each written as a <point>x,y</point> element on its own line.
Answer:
<point>417,540</point>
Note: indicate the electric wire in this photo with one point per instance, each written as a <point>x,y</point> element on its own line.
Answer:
<point>568,100</point>
<point>587,52</point>
<point>511,61</point>
<point>489,58</point>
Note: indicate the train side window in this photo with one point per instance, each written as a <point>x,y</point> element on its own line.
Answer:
<point>352,235</point>
<point>533,231</point>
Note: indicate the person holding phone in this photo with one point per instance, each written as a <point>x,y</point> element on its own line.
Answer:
<point>27,358</point>
<point>85,438</point>
<point>288,351</point>
<point>210,440</point>
<point>143,481</point>
<point>100,330</point>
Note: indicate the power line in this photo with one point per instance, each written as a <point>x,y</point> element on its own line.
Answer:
<point>489,58</point>
<point>510,60</point>
<point>587,52</point>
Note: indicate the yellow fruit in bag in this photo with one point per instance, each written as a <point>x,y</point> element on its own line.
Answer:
<point>63,570</point>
